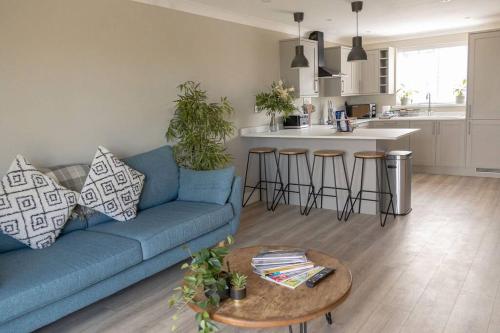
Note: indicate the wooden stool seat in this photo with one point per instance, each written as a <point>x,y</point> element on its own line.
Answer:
<point>370,154</point>
<point>262,150</point>
<point>293,151</point>
<point>328,153</point>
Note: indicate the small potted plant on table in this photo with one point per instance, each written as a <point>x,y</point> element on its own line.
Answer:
<point>278,101</point>
<point>238,290</point>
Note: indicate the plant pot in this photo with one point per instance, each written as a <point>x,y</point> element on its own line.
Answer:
<point>273,124</point>
<point>404,100</point>
<point>238,294</point>
<point>460,99</point>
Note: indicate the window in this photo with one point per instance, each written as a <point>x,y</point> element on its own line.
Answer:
<point>438,71</point>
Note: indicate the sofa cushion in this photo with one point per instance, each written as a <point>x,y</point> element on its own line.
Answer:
<point>112,187</point>
<point>31,279</point>
<point>212,186</point>
<point>33,207</point>
<point>163,227</point>
<point>162,176</point>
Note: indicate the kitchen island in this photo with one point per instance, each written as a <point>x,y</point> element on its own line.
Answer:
<point>325,137</point>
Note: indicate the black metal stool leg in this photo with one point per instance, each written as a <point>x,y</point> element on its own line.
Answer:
<point>278,174</point>
<point>339,217</point>
<point>266,183</point>
<point>311,182</point>
<point>349,188</point>
<point>288,178</point>
<point>243,202</point>
<point>379,190</point>
<point>362,180</point>
<point>352,182</point>
<point>311,194</point>
<point>302,212</point>
<point>260,177</point>
<point>329,318</point>
<point>281,191</point>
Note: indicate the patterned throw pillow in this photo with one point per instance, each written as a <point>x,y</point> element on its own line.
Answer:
<point>33,207</point>
<point>73,178</point>
<point>112,187</point>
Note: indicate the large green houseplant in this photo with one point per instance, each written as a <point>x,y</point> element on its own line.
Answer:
<point>200,129</point>
<point>206,276</point>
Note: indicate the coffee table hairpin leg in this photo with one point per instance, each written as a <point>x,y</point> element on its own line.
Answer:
<point>302,328</point>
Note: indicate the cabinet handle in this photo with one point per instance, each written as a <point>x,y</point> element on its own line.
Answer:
<point>342,86</point>
<point>316,86</point>
<point>468,125</point>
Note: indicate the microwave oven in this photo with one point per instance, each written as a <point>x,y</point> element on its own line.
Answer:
<point>362,110</point>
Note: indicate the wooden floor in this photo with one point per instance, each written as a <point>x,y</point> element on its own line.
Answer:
<point>435,270</point>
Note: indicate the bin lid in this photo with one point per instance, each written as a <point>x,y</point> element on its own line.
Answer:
<point>398,155</point>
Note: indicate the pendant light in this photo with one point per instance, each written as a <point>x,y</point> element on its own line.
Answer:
<point>357,51</point>
<point>300,59</point>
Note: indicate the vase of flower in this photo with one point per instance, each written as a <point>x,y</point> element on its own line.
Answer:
<point>273,124</point>
<point>278,101</point>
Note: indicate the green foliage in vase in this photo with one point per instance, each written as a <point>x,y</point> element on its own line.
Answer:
<point>278,100</point>
<point>460,90</point>
<point>200,129</point>
<point>238,281</point>
<point>205,277</point>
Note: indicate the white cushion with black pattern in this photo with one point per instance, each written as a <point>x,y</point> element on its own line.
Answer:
<point>33,207</point>
<point>112,187</point>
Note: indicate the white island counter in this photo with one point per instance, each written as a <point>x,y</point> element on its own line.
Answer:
<point>324,137</point>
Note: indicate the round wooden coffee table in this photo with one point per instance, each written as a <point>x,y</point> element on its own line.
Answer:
<point>270,305</point>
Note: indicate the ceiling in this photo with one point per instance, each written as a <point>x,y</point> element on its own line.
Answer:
<point>380,20</point>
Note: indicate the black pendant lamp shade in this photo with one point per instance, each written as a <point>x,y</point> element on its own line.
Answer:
<point>300,59</point>
<point>357,52</point>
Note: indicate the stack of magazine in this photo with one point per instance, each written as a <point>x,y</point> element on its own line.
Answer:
<point>289,268</point>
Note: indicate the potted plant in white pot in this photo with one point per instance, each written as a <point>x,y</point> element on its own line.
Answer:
<point>278,101</point>
<point>405,95</point>
<point>460,92</point>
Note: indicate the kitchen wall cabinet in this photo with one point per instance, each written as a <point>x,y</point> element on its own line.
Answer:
<point>371,77</point>
<point>483,142</point>
<point>303,80</point>
<point>450,143</point>
<point>484,75</point>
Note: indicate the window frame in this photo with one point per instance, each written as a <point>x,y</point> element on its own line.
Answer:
<point>419,47</point>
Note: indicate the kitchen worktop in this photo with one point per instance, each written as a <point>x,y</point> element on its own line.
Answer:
<point>424,116</point>
<point>327,132</point>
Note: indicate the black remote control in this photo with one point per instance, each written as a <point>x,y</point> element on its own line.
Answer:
<point>318,277</point>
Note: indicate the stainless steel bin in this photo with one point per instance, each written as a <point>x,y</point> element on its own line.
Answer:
<point>399,170</point>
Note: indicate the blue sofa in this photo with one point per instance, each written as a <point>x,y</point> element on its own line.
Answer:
<point>96,257</point>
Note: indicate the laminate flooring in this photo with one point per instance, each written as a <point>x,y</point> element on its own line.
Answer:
<point>434,270</point>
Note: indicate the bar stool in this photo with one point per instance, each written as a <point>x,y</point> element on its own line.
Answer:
<point>324,155</point>
<point>286,189</point>
<point>262,183</point>
<point>379,158</point>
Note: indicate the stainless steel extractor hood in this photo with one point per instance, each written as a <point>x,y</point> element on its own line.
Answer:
<point>323,71</point>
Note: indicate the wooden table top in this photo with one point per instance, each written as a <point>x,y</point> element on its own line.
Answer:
<point>270,305</point>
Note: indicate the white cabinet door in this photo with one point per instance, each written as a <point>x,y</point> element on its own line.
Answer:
<point>483,144</point>
<point>356,73</point>
<point>450,144</point>
<point>423,143</point>
<point>484,75</point>
<point>346,68</point>
<point>370,73</point>
<point>308,76</point>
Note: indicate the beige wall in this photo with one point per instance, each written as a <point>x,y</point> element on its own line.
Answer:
<point>75,74</point>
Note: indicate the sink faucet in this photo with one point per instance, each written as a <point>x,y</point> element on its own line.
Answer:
<point>428,98</point>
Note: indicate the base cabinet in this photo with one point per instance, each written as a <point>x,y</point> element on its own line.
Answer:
<point>423,143</point>
<point>450,143</point>
<point>483,144</point>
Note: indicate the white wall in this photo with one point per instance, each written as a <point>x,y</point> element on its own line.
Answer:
<point>75,74</point>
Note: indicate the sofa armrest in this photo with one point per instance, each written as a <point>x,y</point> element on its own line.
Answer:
<point>235,201</point>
